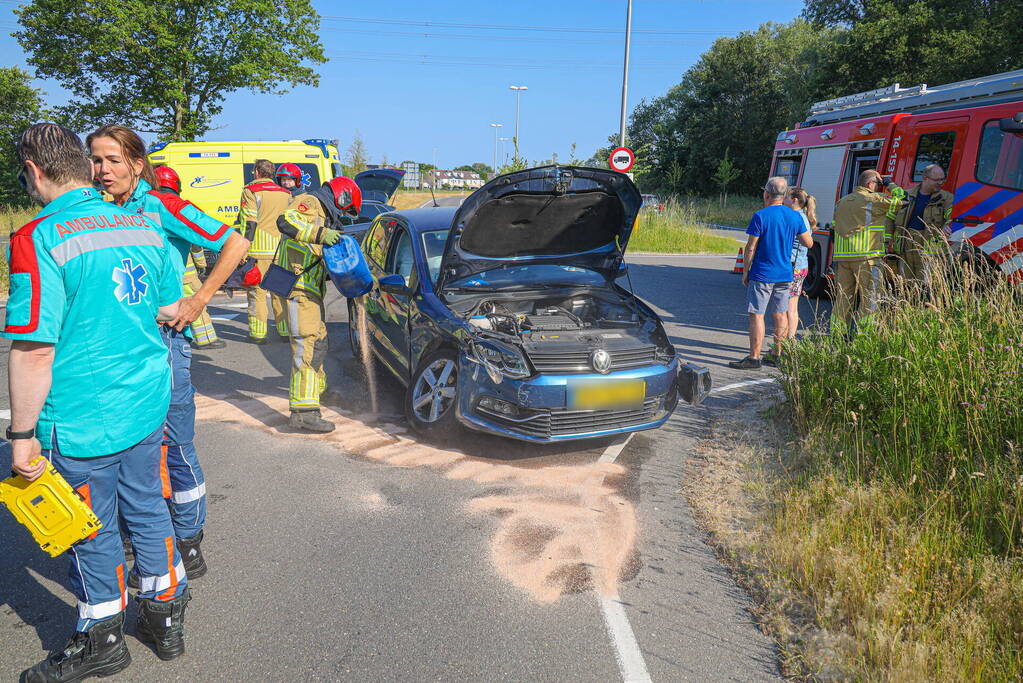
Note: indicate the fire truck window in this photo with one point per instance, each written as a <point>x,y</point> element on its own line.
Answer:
<point>933,148</point>
<point>1000,158</point>
<point>788,169</point>
<point>859,162</point>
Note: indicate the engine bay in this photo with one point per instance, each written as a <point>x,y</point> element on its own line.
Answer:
<point>590,317</point>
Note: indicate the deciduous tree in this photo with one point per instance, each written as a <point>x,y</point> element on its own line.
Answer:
<point>20,107</point>
<point>167,66</point>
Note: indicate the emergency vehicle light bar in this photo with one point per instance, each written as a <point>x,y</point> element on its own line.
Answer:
<point>992,89</point>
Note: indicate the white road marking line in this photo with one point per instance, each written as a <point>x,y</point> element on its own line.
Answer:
<point>739,385</point>
<point>627,652</point>
<point>612,452</point>
<point>5,414</point>
<point>227,317</point>
<point>233,304</point>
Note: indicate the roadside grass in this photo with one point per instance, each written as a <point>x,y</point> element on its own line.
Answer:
<point>735,211</point>
<point>675,231</point>
<point>900,521</point>
<point>11,219</point>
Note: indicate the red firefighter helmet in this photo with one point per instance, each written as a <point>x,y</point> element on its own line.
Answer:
<point>168,179</point>
<point>347,194</point>
<point>289,171</point>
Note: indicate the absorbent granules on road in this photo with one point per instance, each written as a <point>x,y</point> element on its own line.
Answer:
<point>560,529</point>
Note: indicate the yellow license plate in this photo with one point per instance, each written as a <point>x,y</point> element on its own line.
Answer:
<point>606,394</point>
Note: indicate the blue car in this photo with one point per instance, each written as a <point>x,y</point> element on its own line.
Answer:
<point>507,314</point>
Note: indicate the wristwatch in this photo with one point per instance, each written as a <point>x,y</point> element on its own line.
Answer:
<point>27,434</point>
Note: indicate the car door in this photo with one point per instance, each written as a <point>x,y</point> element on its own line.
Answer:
<point>376,246</point>
<point>393,309</point>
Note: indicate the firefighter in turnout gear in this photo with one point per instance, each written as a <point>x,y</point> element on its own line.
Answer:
<point>922,225</point>
<point>289,176</point>
<point>313,220</point>
<point>863,223</point>
<point>262,203</point>
<point>202,328</point>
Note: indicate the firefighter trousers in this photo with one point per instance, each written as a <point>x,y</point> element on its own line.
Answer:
<point>308,350</point>
<point>855,290</point>
<point>259,312</point>
<point>184,483</point>
<point>202,327</point>
<point>124,485</point>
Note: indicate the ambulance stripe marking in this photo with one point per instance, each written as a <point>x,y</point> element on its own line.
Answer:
<point>83,243</point>
<point>1004,239</point>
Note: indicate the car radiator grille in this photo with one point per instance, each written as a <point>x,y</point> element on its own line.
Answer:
<point>575,362</point>
<point>566,422</point>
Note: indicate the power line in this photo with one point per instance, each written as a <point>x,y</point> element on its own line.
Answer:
<point>500,27</point>
<point>526,60</point>
<point>492,65</point>
<point>534,39</point>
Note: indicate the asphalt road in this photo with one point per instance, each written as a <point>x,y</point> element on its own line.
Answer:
<point>371,555</point>
<point>442,201</point>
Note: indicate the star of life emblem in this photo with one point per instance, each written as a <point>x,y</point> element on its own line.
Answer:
<point>131,283</point>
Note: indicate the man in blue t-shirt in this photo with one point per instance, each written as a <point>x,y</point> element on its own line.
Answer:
<point>767,269</point>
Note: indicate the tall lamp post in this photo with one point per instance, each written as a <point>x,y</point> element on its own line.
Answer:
<point>518,94</point>
<point>495,126</point>
<point>504,152</point>
<point>625,73</point>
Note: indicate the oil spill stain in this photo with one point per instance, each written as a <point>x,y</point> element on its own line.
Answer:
<point>561,528</point>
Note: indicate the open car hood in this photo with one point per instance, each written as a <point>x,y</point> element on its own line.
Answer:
<point>566,215</point>
<point>379,184</point>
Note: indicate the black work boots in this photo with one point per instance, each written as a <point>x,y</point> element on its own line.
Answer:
<point>310,421</point>
<point>191,556</point>
<point>100,651</point>
<point>162,624</point>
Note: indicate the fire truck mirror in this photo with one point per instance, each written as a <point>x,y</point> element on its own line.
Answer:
<point>1013,125</point>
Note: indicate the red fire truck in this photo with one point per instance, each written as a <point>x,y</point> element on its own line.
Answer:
<point>973,129</point>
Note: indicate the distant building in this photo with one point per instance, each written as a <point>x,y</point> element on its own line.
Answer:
<point>455,180</point>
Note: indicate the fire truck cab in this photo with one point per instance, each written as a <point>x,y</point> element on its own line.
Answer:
<point>973,129</point>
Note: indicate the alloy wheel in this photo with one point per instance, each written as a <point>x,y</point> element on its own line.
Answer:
<point>434,390</point>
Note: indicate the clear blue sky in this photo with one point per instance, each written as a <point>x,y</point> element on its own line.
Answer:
<point>410,87</point>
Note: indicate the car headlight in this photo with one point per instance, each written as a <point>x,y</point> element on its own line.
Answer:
<point>499,360</point>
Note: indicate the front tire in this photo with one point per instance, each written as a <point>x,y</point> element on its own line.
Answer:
<point>432,396</point>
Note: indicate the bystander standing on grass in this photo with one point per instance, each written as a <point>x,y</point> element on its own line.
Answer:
<point>767,270</point>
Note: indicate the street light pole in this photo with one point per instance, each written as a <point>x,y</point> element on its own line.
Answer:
<point>495,126</point>
<point>518,92</point>
<point>504,152</point>
<point>625,74</point>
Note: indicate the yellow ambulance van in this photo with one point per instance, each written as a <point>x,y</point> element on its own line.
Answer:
<point>213,174</point>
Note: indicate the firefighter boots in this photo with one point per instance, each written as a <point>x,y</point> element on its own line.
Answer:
<point>310,421</point>
<point>191,556</point>
<point>162,625</point>
<point>100,651</point>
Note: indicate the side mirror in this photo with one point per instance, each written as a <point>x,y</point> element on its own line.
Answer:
<point>394,284</point>
<point>694,383</point>
<point>1013,125</point>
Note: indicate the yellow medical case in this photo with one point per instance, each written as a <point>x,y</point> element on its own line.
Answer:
<point>56,515</point>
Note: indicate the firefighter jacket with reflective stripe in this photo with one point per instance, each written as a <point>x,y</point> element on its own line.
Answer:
<point>936,216</point>
<point>262,203</point>
<point>863,219</point>
<point>302,226</point>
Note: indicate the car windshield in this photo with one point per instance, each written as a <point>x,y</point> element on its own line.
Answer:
<point>531,277</point>
<point>433,247</point>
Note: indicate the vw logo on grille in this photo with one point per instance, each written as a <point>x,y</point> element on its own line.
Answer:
<point>601,361</point>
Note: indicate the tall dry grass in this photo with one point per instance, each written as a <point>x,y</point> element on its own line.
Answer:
<point>904,525</point>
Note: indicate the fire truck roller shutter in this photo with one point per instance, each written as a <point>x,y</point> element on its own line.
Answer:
<point>822,174</point>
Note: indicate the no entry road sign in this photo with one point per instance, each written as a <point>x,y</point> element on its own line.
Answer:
<point>622,159</point>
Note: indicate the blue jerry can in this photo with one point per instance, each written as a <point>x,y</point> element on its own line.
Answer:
<point>347,267</point>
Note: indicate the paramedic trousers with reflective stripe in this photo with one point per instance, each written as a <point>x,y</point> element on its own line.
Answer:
<point>855,290</point>
<point>259,312</point>
<point>187,486</point>
<point>125,485</point>
<point>202,327</point>
<point>308,350</point>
